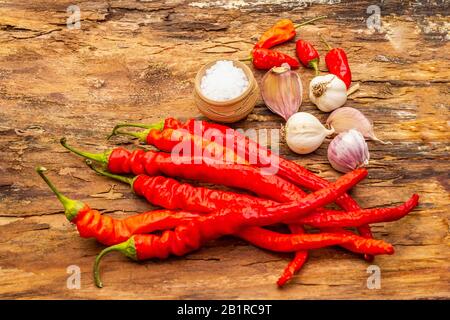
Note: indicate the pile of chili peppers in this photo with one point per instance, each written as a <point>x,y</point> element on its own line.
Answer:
<point>192,215</point>
<point>264,58</point>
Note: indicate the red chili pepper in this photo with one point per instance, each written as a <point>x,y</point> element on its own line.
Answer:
<point>120,160</point>
<point>295,264</point>
<point>242,145</point>
<point>290,242</point>
<point>265,59</point>
<point>228,221</point>
<point>357,218</point>
<point>190,237</point>
<point>171,194</point>
<point>337,63</point>
<point>92,224</point>
<point>282,31</point>
<point>308,55</point>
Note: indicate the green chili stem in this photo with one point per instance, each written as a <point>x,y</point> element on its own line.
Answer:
<point>100,157</point>
<point>40,170</point>
<point>71,207</point>
<point>127,248</point>
<point>110,175</point>
<point>315,66</point>
<point>246,59</point>
<point>308,22</point>
<point>325,42</point>
<point>140,135</point>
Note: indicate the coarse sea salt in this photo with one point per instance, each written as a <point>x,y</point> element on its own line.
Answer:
<point>223,81</point>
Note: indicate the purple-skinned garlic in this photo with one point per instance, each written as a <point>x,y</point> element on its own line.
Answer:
<point>348,151</point>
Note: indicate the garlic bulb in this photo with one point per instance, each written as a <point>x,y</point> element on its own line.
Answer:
<point>327,92</point>
<point>282,91</point>
<point>305,133</point>
<point>348,151</point>
<point>347,118</point>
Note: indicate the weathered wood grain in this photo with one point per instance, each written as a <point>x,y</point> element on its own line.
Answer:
<point>136,61</point>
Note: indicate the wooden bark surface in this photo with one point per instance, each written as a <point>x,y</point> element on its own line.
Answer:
<point>135,61</point>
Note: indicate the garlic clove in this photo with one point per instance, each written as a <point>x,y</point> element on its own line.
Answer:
<point>327,92</point>
<point>305,133</point>
<point>347,118</point>
<point>282,91</point>
<point>348,151</point>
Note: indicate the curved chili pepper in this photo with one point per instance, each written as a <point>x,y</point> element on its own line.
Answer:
<point>337,63</point>
<point>171,194</point>
<point>190,237</point>
<point>361,217</point>
<point>294,242</point>
<point>295,264</point>
<point>92,224</point>
<point>228,221</point>
<point>282,31</point>
<point>265,59</point>
<point>308,55</point>
<point>243,145</point>
<point>120,160</point>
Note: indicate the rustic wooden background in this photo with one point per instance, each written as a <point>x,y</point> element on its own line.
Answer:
<point>136,61</point>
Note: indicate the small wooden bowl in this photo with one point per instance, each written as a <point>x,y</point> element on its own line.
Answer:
<point>231,110</point>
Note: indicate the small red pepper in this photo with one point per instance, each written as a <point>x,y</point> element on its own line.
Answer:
<point>280,32</point>
<point>265,59</point>
<point>337,63</point>
<point>308,55</point>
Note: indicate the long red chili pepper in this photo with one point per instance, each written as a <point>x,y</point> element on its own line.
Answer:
<point>120,160</point>
<point>295,264</point>
<point>281,32</point>
<point>92,224</point>
<point>265,59</point>
<point>241,145</point>
<point>290,242</point>
<point>229,221</point>
<point>171,194</point>
<point>307,55</point>
<point>362,217</point>
<point>337,63</point>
